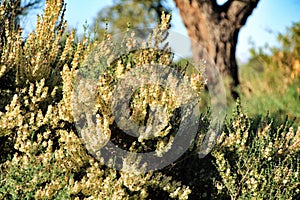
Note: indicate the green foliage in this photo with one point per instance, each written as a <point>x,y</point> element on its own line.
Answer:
<point>290,41</point>
<point>270,82</point>
<point>126,14</point>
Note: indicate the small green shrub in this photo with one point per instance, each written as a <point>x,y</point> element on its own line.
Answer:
<point>260,162</point>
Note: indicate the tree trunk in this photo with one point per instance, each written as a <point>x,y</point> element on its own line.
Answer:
<point>214,29</point>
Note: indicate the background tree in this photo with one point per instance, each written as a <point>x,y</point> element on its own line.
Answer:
<point>125,13</point>
<point>215,27</point>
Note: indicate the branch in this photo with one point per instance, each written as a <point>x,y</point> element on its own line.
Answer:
<point>212,2</point>
<point>239,10</point>
<point>31,5</point>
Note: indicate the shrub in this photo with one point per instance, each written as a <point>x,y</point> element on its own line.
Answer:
<point>258,160</point>
<point>48,150</point>
<point>42,155</point>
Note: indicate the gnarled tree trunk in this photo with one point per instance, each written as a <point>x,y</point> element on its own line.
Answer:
<point>215,28</point>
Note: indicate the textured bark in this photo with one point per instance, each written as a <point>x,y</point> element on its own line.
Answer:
<point>215,29</point>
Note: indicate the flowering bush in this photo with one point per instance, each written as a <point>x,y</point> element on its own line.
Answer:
<point>48,150</point>
<point>259,162</point>
<point>42,155</point>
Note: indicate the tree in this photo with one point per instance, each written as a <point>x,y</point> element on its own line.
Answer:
<point>123,14</point>
<point>216,27</point>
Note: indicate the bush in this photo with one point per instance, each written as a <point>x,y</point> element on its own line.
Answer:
<point>46,147</point>
<point>42,155</point>
<point>258,160</point>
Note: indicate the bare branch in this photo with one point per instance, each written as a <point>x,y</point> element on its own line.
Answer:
<point>30,5</point>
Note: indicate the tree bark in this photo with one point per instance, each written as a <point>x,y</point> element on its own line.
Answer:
<point>214,29</point>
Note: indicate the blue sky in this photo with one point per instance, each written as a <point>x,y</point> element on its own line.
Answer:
<point>268,19</point>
